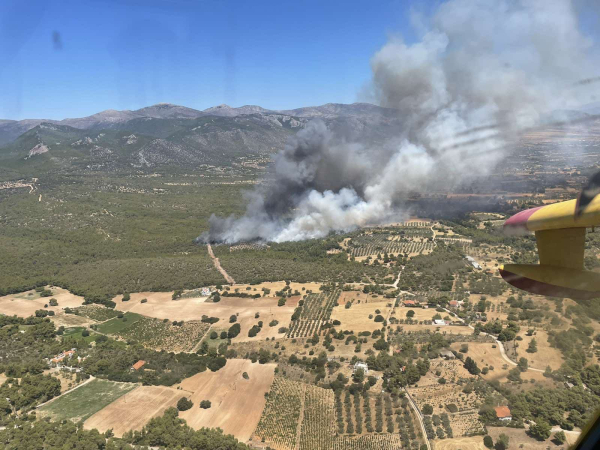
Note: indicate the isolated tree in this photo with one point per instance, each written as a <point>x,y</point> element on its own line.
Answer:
<point>53,302</point>
<point>488,441</point>
<point>471,366</point>
<point>523,364</point>
<point>559,437</point>
<point>232,318</point>
<point>233,331</point>
<point>183,404</point>
<point>427,410</point>
<point>410,314</point>
<point>502,442</point>
<point>541,430</point>
<point>85,333</point>
<point>359,375</point>
<point>532,346</point>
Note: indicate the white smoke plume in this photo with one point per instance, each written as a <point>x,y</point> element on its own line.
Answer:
<point>481,71</point>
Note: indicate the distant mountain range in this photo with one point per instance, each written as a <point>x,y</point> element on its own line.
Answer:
<point>172,135</point>
<point>113,119</point>
<point>166,135</point>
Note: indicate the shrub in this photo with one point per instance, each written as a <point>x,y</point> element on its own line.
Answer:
<point>379,318</point>
<point>213,335</point>
<point>246,376</point>
<point>126,297</point>
<point>144,300</point>
<point>205,404</point>
<point>53,302</point>
<point>427,410</point>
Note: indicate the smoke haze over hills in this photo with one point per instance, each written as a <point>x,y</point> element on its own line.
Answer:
<point>481,73</point>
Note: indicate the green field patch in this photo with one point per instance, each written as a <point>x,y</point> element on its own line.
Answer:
<point>118,325</point>
<point>96,312</point>
<point>164,335</point>
<point>76,333</point>
<point>85,401</point>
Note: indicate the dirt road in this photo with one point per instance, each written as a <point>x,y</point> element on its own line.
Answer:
<point>217,264</point>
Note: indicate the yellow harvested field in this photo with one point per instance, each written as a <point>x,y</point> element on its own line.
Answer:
<point>420,313</point>
<point>25,305</point>
<point>133,410</point>
<point>161,306</point>
<point>356,318</point>
<point>462,443</point>
<point>237,403</point>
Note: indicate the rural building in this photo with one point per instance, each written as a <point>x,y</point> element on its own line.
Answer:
<point>453,304</point>
<point>61,356</point>
<point>205,292</point>
<point>447,354</point>
<point>503,413</point>
<point>410,303</point>
<point>569,385</point>
<point>474,263</point>
<point>138,365</point>
<point>361,365</point>
<point>439,322</point>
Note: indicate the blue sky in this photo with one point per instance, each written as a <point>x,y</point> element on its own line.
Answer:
<point>74,58</point>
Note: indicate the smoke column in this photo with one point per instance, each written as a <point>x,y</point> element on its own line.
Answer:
<point>480,72</point>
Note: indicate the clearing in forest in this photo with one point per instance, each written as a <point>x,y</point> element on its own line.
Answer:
<point>86,400</point>
<point>25,304</point>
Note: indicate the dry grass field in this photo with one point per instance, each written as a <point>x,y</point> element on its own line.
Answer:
<point>485,356</point>
<point>444,330</point>
<point>518,439</point>
<point>134,409</point>
<point>356,318</point>
<point>275,286</point>
<point>25,305</point>
<point>237,403</point>
<point>545,356</point>
<point>462,443</point>
<point>161,306</point>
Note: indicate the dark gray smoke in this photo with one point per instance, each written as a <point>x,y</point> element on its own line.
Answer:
<point>480,72</point>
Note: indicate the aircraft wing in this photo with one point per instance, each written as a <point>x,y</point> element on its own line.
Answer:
<point>560,237</point>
